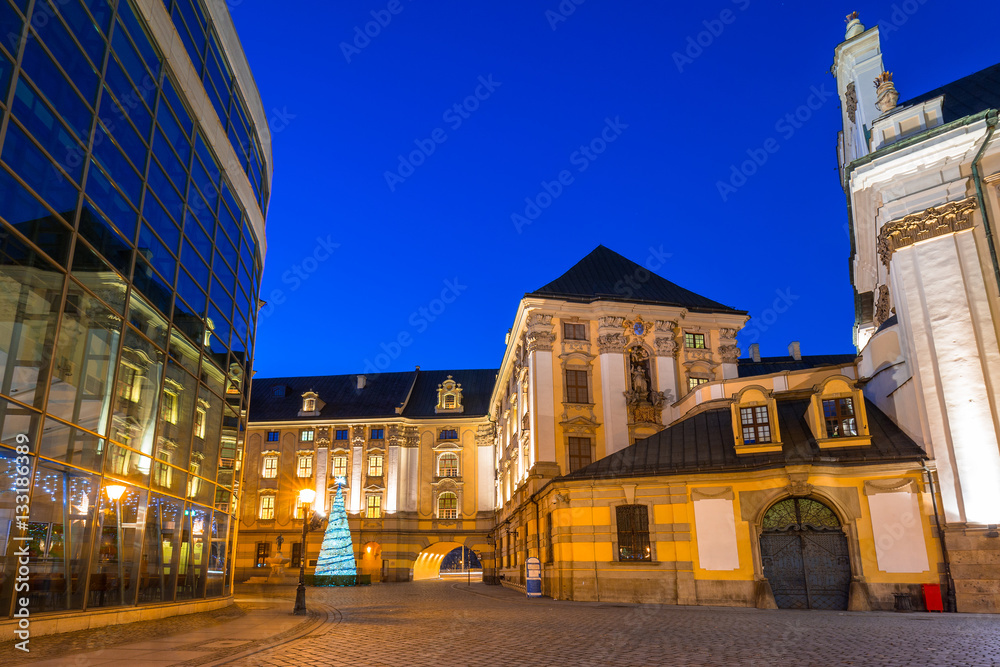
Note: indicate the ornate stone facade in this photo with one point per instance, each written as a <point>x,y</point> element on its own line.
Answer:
<point>938,221</point>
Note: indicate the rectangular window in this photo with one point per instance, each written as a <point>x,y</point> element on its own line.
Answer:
<point>377,434</point>
<point>574,331</point>
<point>340,466</point>
<point>448,506</point>
<point>576,387</point>
<point>375,465</point>
<point>693,383</point>
<point>695,341</point>
<point>169,407</point>
<point>373,507</point>
<point>263,553</point>
<point>633,532</point>
<point>449,434</point>
<point>128,384</point>
<point>756,425</point>
<point>341,434</point>
<point>579,453</point>
<point>307,435</point>
<point>305,467</point>
<point>840,420</point>
<point>267,507</point>
<point>296,554</point>
<point>199,423</point>
<point>270,467</point>
<point>273,436</point>
<point>549,545</point>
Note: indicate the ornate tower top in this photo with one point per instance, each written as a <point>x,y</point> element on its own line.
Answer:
<point>886,92</point>
<point>854,26</point>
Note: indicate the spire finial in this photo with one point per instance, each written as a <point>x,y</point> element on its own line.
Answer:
<point>854,26</point>
<point>886,92</point>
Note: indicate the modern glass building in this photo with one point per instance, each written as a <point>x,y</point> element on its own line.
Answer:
<point>134,178</point>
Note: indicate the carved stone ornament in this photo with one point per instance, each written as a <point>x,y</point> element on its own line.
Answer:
<point>411,436</point>
<point>800,489</point>
<point>570,346</point>
<point>610,322</point>
<point>852,102</point>
<point>540,341</point>
<point>665,326</point>
<point>613,343</point>
<point>358,435</point>
<point>539,320</point>
<point>938,221</point>
<point>665,347</point>
<point>395,435</point>
<point>730,353</point>
<point>728,335</point>
<point>882,311</point>
<point>485,434</point>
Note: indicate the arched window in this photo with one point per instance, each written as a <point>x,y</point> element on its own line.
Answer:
<point>448,465</point>
<point>448,506</point>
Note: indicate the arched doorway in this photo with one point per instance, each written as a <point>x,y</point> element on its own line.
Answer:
<point>428,563</point>
<point>370,562</point>
<point>804,555</point>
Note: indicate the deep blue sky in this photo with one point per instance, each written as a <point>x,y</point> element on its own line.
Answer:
<point>339,126</point>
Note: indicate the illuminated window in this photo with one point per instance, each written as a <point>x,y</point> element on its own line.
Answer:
<point>307,435</point>
<point>756,425</point>
<point>270,466</point>
<point>199,423</point>
<point>375,465</point>
<point>448,465</point>
<point>695,341</point>
<point>449,401</point>
<point>301,509</point>
<point>840,420</point>
<point>309,404</point>
<point>693,383</point>
<point>574,331</point>
<point>448,506</point>
<point>168,411</point>
<point>340,466</point>
<point>305,466</point>
<point>263,553</point>
<point>267,507</point>
<point>373,507</point>
<point>129,383</point>
<point>449,434</point>
<point>163,473</point>
<point>273,436</point>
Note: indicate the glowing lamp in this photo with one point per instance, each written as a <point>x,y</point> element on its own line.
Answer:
<point>114,491</point>
<point>306,496</point>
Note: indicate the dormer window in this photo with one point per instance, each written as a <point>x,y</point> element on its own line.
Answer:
<point>837,414</point>
<point>311,405</point>
<point>756,425</point>
<point>755,421</point>
<point>278,392</point>
<point>449,397</point>
<point>840,419</point>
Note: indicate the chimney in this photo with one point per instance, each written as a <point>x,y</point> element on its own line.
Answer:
<point>854,26</point>
<point>795,350</point>
<point>361,381</point>
<point>755,352</point>
<point>886,92</point>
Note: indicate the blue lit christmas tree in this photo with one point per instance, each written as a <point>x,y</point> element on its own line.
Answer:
<point>336,566</point>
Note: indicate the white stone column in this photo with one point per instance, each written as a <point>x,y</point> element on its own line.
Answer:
<point>392,469</point>
<point>730,353</point>
<point>666,367</point>
<point>942,303</point>
<point>541,404</point>
<point>611,347</point>
<point>409,465</point>
<point>357,464</point>
<point>485,480</point>
<point>320,467</point>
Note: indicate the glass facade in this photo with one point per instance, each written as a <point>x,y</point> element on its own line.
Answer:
<point>129,277</point>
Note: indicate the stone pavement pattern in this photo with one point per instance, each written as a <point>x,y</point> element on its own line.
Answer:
<point>445,623</point>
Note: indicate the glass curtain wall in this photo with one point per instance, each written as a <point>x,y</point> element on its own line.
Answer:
<point>129,279</point>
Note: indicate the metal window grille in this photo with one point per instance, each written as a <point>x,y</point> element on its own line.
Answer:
<point>633,532</point>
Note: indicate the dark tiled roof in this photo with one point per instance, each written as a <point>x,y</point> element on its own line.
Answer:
<point>604,275</point>
<point>705,443</point>
<point>767,365</point>
<point>967,96</point>
<point>382,394</point>
<point>477,386</point>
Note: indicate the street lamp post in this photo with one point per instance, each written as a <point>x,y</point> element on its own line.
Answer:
<point>306,496</point>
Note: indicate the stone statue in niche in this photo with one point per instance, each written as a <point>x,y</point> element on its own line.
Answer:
<point>639,370</point>
<point>644,405</point>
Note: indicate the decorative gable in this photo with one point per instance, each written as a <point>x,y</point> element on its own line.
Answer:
<point>311,405</point>
<point>449,397</point>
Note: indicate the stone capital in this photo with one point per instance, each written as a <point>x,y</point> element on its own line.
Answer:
<point>665,347</point>
<point>612,343</point>
<point>937,221</point>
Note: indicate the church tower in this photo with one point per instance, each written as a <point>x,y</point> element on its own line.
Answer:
<point>921,179</point>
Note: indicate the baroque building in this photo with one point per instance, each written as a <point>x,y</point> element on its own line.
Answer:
<point>411,450</point>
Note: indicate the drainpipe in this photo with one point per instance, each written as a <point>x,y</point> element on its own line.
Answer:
<point>991,124</point>
<point>951,602</point>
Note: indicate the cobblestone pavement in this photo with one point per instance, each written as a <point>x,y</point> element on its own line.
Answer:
<point>443,623</point>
